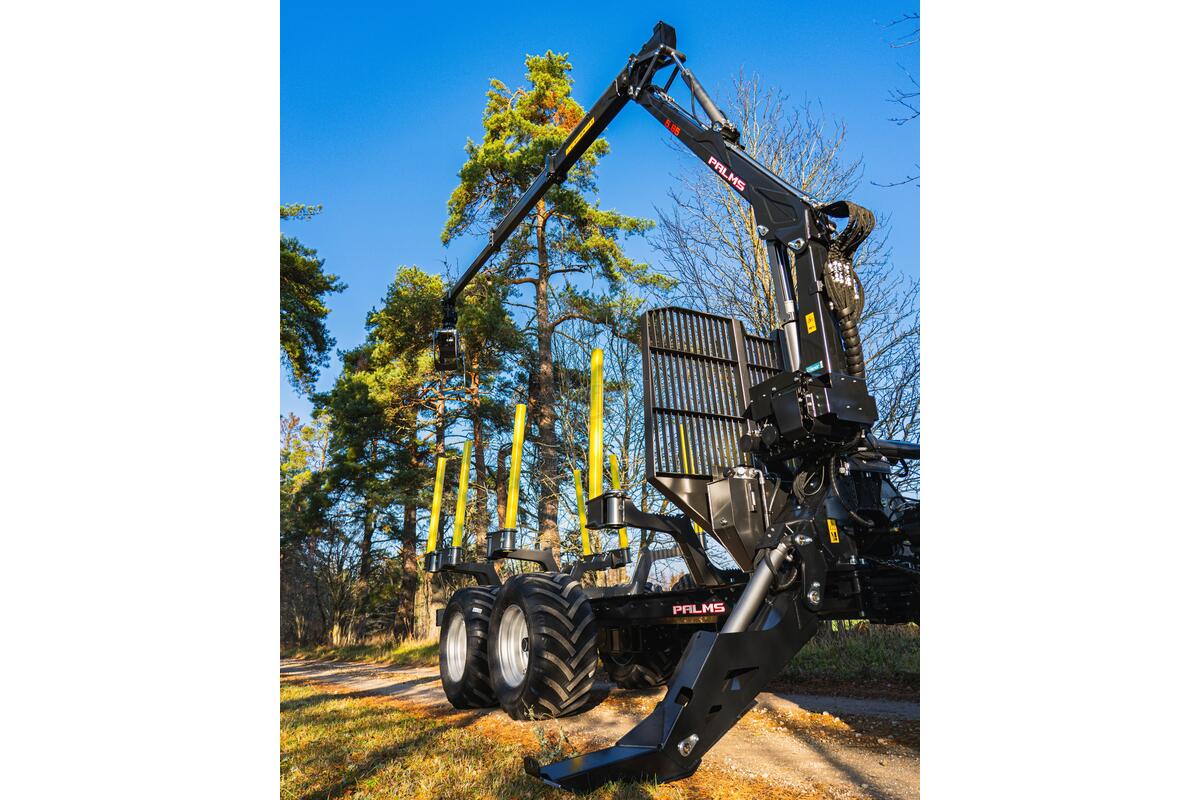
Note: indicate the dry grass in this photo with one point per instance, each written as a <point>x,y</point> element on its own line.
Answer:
<point>344,745</point>
<point>407,653</point>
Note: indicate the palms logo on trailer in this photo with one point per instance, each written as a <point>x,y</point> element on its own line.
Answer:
<point>706,609</point>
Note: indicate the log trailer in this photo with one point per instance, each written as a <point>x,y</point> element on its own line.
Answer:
<point>763,443</point>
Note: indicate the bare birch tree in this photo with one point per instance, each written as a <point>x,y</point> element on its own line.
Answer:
<point>707,241</point>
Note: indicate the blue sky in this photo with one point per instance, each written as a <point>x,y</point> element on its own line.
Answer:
<point>377,101</point>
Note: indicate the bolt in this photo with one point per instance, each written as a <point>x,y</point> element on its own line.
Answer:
<point>814,594</point>
<point>798,245</point>
<point>688,744</point>
<point>762,230</point>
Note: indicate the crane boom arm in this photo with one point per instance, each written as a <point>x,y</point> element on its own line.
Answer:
<point>794,227</point>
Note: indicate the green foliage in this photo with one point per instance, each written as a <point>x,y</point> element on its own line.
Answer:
<point>403,380</point>
<point>303,450</point>
<point>403,328</point>
<point>521,128</point>
<point>489,335</point>
<point>395,367</point>
<point>303,454</point>
<point>304,340</point>
<point>362,465</point>
<point>298,211</point>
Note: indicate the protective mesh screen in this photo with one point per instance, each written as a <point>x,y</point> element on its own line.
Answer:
<point>696,368</point>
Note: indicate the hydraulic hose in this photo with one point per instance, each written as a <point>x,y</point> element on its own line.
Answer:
<point>855,364</point>
<point>842,284</point>
<point>845,291</point>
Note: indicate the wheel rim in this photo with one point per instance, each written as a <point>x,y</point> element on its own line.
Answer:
<point>512,646</point>
<point>456,647</point>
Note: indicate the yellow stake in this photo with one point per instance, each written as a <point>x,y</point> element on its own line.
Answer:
<point>596,427</point>
<point>435,512</point>
<point>583,531</point>
<point>689,467</point>
<point>684,456</point>
<point>622,535</point>
<point>460,509</point>
<point>514,471</point>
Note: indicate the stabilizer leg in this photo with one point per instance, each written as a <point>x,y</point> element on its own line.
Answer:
<point>716,682</point>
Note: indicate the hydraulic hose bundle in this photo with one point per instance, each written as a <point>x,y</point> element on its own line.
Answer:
<point>842,284</point>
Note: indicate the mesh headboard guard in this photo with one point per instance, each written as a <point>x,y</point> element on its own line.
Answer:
<point>697,370</point>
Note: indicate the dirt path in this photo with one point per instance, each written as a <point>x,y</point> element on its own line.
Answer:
<point>854,748</point>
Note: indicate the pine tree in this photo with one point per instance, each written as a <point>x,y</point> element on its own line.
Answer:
<point>304,341</point>
<point>568,251</point>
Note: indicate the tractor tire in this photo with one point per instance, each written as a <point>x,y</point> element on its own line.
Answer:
<point>542,649</point>
<point>641,670</point>
<point>462,649</point>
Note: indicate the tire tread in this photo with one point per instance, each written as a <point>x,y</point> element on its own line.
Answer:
<point>475,688</point>
<point>563,633</point>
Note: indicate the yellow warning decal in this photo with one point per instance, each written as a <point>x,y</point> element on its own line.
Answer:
<point>833,534</point>
<point>810,322</point>
<point>579,136</point>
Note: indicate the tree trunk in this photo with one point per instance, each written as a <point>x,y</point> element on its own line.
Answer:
<point>439,435</point>
<point>363,592</point>
<point>316,593</point>
<point>543,410</point>
<point>364,547</point>
<point>406,603</point>
<point>502,457</point>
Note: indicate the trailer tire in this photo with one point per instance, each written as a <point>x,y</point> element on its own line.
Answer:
<point>542,649</point>
<point>641,670</point>
<point>462,647</point>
